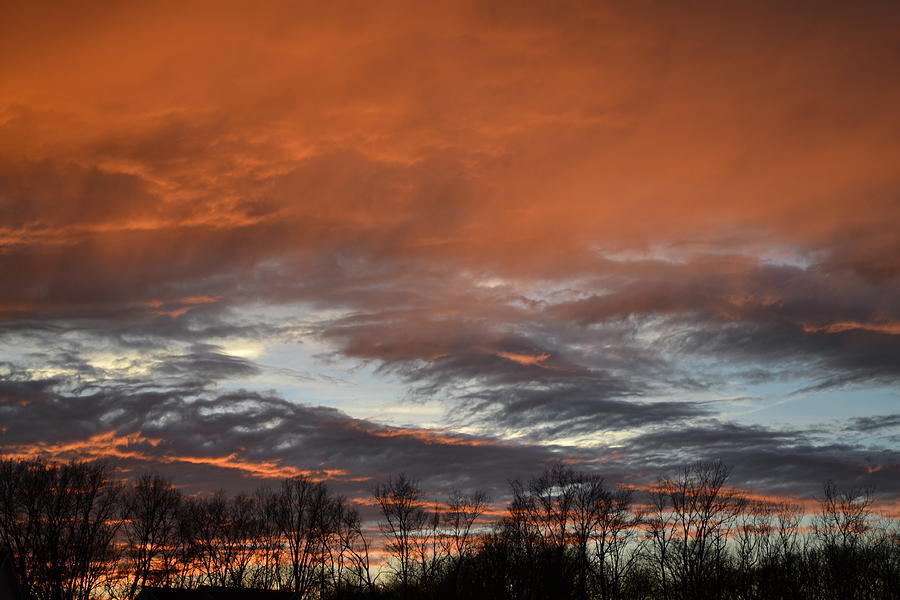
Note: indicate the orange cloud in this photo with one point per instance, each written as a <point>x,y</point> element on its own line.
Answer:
<point>134,446</point>
<point>426,436</point>
<point>427,133</point>
<point>890,328</point>
<point>108,444</point>
<point>267,469</point>
<point>524,359</point>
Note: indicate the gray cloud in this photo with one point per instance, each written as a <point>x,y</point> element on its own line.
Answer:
<point>874,423</point>
<point>786,462</point>
<point>240,438</point>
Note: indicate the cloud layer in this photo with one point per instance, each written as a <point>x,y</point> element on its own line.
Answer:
<point>624,235</point>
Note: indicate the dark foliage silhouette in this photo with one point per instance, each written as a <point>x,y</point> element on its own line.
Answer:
<point>74,532</point>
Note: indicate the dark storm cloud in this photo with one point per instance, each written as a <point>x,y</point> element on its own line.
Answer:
<point>738,287</point>
<point>802,325</point>
<point>552,369</point>
<point>833,327</point>
<point>588,407</point>
<point>242,438</point>
<point>239,439</point>
<point>852,357</point>
<point>785,462</point>
<point>526,375</point>
<point>206,364</point>
<point>874,423</point>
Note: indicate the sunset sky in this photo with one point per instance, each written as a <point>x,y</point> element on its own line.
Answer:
<point>243,241</point>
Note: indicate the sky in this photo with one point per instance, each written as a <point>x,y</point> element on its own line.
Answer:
<point>246,241</point>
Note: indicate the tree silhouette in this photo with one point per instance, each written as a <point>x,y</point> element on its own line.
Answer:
<point>149,527</point>
<point>59,523</point>
<point>75,534</point>
<point>403,522</point>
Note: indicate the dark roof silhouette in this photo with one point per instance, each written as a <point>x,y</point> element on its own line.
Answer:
<point>9,583</point>
<point>208,592</point>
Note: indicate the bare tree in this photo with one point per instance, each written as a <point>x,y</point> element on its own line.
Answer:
<point>845,516</point>
<point>661,534</point>
<point>753,538</point>
<point>590,502</point>
<point>566,536</point>
<point>542,524</point>
<point>769,551</point>
<point>268,548</point>
<point>431,548</point>
<point>241,531</point>
<point>223,537</point>
<point>548,501</point>
<point>615,533</point>
<point>463,511</point>
<point>59,523</point>
<point>403,520</point>
<point>187,551</point>
<point>212,547</point>
<point>149,528</point>
<point>844,520</point>
<point>301,515</point>
<point>695,513</point>
<point>354,547</point>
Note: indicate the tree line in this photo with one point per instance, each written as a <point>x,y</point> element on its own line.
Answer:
<point>76,532</point>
